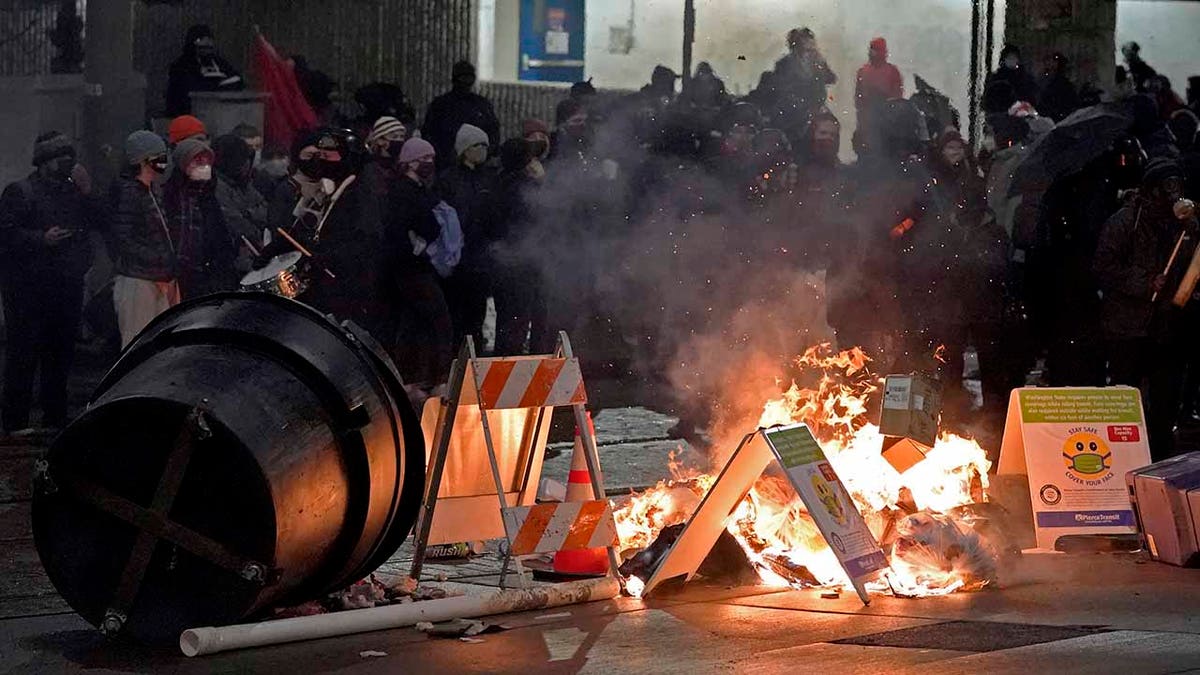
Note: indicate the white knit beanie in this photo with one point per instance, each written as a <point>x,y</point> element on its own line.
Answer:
<point>468,135</point>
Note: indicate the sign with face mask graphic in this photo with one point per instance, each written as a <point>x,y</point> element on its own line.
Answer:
<point>1076,444</point>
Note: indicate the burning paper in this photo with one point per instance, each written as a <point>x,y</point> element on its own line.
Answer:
<point>830,395</point>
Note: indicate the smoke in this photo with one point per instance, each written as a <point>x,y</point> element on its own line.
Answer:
<point>708,291</point>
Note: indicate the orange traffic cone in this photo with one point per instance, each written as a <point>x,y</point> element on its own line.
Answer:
<point>586,561</point>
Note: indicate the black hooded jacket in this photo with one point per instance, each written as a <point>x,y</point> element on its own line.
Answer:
<point>192,72</point>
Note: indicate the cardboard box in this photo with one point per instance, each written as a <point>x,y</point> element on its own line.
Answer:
<point>912,405</point>
<point>1166,500</point>
<point>909,418</point>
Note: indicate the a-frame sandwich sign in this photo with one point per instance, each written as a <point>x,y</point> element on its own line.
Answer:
<point>815,481</point>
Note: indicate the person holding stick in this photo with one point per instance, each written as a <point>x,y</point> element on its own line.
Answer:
<point>1138,266</point>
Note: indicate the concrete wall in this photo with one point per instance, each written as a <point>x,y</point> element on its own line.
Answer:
<point>33,105</point>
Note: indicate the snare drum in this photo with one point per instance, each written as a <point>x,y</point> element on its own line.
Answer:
<point>282,275</point>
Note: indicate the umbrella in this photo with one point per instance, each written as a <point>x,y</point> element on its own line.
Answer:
<point>1083,136</point>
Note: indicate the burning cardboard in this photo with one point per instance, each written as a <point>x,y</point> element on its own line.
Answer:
<point>909,419</point>
<point>771,524</point>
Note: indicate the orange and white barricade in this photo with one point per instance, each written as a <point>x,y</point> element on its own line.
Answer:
<point>487,440</point>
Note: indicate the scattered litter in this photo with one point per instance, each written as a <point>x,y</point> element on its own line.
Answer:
<point>560,615</point>
<point>441,576</point>
<point>371,653</point>
<point>459,628</point>
<point>830,595</point>
<point>471,640</point>
<point>550,490</point>
<point>941,554</point>
<point>311,608</point>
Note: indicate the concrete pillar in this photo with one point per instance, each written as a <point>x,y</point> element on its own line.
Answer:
<point>1083,30</point>
<point>115,101</point>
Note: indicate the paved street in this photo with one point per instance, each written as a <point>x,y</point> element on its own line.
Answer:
<point>1085,613</point>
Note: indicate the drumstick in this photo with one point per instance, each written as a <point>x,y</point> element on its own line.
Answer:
<point>299,247</point>
<point>1170,261</point>
<point>250,245</point>
<point>303,251</point>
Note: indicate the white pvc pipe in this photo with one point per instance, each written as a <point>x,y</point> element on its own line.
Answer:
<point>210,640</point>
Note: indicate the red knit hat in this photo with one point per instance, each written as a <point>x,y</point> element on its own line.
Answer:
<point>533,126</point>
<point>185,126</point>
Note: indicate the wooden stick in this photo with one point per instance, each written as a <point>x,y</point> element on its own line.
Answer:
<point>252,247</point>
<point>1170,262</point>
<point>292,240</point>
<point>1188,285</point>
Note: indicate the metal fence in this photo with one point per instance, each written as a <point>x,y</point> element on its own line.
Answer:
<point>25,35</point>
<point>412,43</point>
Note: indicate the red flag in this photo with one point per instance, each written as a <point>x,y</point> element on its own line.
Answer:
<point>287,113</point>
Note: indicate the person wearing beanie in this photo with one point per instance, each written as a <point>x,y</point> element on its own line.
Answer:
<point>467,187</point>
<point>1142,327</point>
<point>387,137</point>
<point>459,106</point>
<point>383,143</point>
<point>143,242</point>
<point>46,221</point>
<point>424,342</point>
<point>242,206</point>
<point>204,249</point>
<point>537,134</point>
<point>184,127</point>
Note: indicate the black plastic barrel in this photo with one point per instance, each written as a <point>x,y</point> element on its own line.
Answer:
<point>244,452</point>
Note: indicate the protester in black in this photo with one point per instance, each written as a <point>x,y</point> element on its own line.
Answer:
<point>46,221</point>
<point>1142,326</point>
<point>423,347</point>
<point>205,251</point>
<point>198,68</point>
<point>459,106</point>
<point>467,187</point>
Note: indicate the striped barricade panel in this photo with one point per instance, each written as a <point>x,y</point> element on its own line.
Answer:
<point>567,526</point>
<point>528,383</point>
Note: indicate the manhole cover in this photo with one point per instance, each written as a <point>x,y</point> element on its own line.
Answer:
<point>970,636</point>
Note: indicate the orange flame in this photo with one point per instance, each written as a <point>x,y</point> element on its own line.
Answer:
<point>772,524</point>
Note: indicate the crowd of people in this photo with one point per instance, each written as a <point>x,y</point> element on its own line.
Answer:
<point>648,217</point>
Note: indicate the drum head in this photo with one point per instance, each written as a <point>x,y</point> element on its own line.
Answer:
<point>274,266</point>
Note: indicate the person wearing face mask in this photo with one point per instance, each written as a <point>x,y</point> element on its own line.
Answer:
<point>1010,83</point>
<point>46,221</point>
<point>198,68</point>
<point>271,171</point>
<point>519,286</point>
<point>204,250</point>
<point>143,242</point>
<point>242,206</point>
<point>953,272</point>
<point>537,134</point>
<point>328,208</point>
<point>424,343</point>
<point>253,138</point>
<point>1144,330</point>
<point>802,78</point>
<point>459,106</point>
<point>467,187</point>
<point>383,143</point>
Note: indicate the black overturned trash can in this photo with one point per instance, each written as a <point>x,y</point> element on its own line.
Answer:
<point>246,451</point>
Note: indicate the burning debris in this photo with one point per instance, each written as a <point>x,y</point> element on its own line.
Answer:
<point>934,548</point>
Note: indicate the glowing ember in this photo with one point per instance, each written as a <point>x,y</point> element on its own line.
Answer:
<point>771,523</point>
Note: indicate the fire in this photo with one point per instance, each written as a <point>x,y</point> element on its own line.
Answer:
<point>830,395</point>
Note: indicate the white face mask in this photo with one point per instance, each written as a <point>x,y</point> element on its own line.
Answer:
<point>257,158</point>
<point>200,173</point>
<point>476,154</point>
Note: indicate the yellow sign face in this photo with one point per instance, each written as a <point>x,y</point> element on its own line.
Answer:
<point>1086,455</point>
